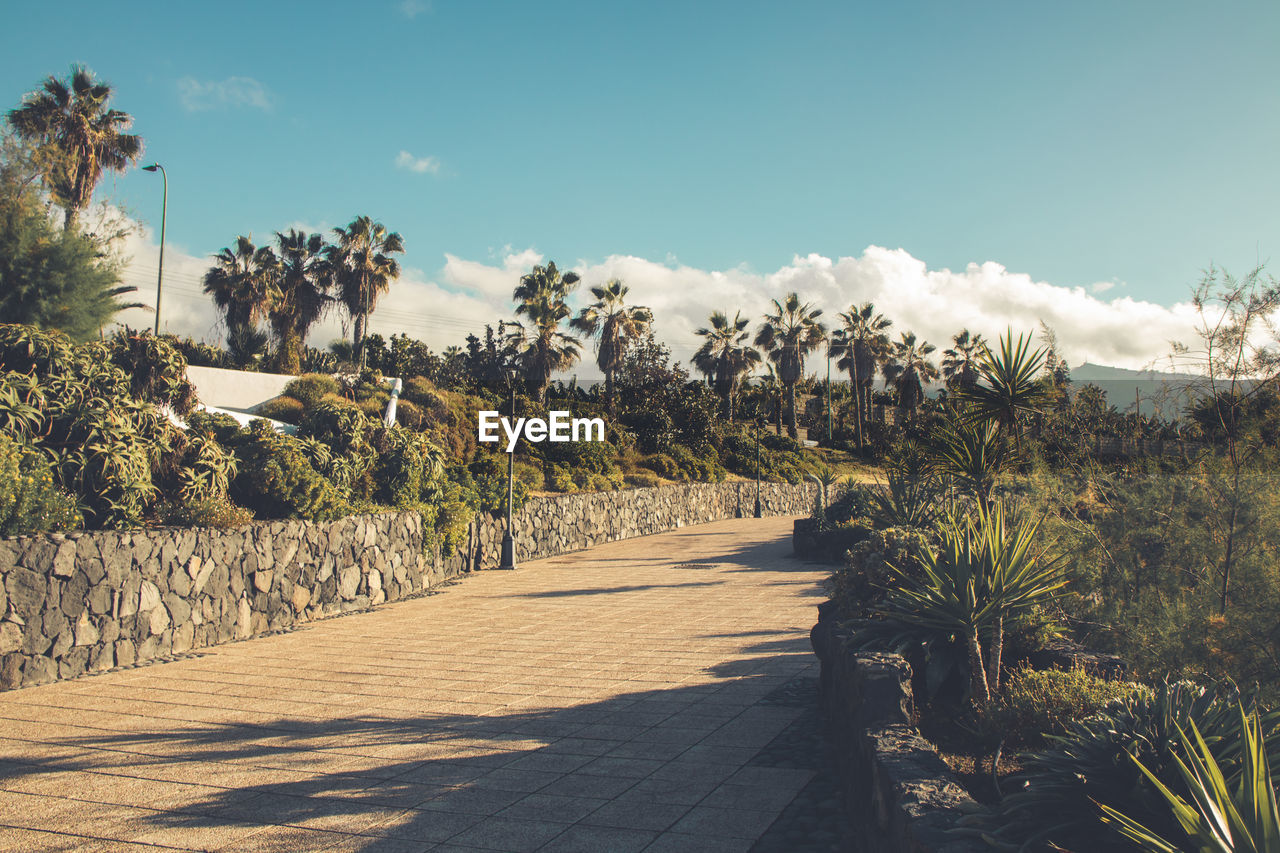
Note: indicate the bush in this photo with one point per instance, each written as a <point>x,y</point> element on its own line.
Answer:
<point>277,480</point>
<point>489,474</point>
<point>408,415</point>
<point>1057,795</point>
<point>420,390</point>
<point>216,512</point>
<point>642,480</point>
<point>30,500</point>
<point>406,467</point>
<point>1035,703</point>
<point>156,368</point>
<point>310,388</point>
<point>284,409</point>
<point>560,480</point>
<point>662,465</point>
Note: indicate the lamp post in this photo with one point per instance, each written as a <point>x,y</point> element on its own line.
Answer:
<point>508,540</point>
<point>758,512</point>
<point>164,212</point>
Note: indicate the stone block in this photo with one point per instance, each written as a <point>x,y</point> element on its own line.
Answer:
<point>183,637</point>
<point>39,670</point>
<point>64,559</point>
<point>148,597</point>
<point>126,652</point>
<point>100,599</point>
<point>349,582</point>
<point>159,620</point>
<point>86,633</point>
<point>26,591</point>
<point>300,599</point>
<point>102,658</point>
<point>75,593</point>
<point>10,637</point>
<point>262,580</point>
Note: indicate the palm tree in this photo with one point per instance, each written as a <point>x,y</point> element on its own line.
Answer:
<point>908,369</point>
<point>960,363</point>
<point>78,135</point>
<point>725,357</point>
<point>243,284</point>
<point>540,346</point>
<point>303,282</point>
<point>1007,388</point>
<point>787,335</point>
<point>615,326</point>
<point>862,346</point>
<point>363,269</point>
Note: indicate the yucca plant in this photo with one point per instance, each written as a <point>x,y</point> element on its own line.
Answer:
<point>974,455</point>
<point>984,572</point>
<point>1007,388</point>
<point>1056,797</point>
<point>1216,816</point>
<point>906,501</point>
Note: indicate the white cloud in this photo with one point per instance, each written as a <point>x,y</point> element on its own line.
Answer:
<point>1101,286</point>
<point>413,8</point>
<point>421,165</point>
<point>215,94</point>
<point>441,308</point>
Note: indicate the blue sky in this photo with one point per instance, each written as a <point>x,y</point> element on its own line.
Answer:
<point>1079,145</point>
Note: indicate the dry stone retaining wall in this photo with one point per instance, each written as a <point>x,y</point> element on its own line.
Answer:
<point>88,601</point>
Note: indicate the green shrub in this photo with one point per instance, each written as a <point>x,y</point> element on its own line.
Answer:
<point>662,465</point>
<point>1057,795</point>
<point>408,415</point>
<point>420,390</point>
<point>73,404</point>
<point>1035,703</point>
<point>30,499</point>
<point>560,480</point>
<point>530,475</point>
<point>156,368</point>
<point>276,479</point>
<point>217,512</point>
<point>205,469</point>
<point>489,474</point>
<point>642,480</point>
<point>310,389</point>
<point>284,409</point>
<point>406,467</point>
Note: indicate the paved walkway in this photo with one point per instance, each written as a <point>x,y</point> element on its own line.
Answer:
<point>610,700</point>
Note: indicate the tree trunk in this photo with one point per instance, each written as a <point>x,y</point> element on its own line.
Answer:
<point>791,414</point>
<point>357,339</point>
<point>608,393</point>
<point>996,653</point>
<point>977,673</point>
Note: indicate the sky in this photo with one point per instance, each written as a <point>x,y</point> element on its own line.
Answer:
<point>981,165</point>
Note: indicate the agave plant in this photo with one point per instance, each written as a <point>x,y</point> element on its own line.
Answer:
<point>984,572</point>
<point>1059,792</point>
<point>1007,388</point>
<point>974,455</point>
<point>906,500</point>
<point>1216,815</point>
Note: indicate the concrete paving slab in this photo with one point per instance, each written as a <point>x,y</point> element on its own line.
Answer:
<point>604,700</point>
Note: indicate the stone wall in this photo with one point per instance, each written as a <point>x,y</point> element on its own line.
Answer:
<point>899,795</point>
<point>89,601</point>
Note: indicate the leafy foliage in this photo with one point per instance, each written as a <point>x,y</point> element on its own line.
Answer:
<point>30,499</point>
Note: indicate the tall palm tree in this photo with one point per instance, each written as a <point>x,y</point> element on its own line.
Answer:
<point>908,369</point>
<point>725,356</point>
<point>243,284</point>
<point>304,281</point>
<point>614,326</point>
<point>787,335</point>
<point>79,135</point>
<point>960,362</point>
<point>540,347</point>
<point>862,345</point>
<point>363,269</point>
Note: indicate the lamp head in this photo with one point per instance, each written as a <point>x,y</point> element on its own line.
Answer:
<point>151,168</point>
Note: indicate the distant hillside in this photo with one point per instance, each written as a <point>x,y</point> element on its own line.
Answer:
<point>1160,393</point>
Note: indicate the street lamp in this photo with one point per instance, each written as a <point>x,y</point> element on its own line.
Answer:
<point>828,393</point>
<point>164,212</point>
<point>508,540</point>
